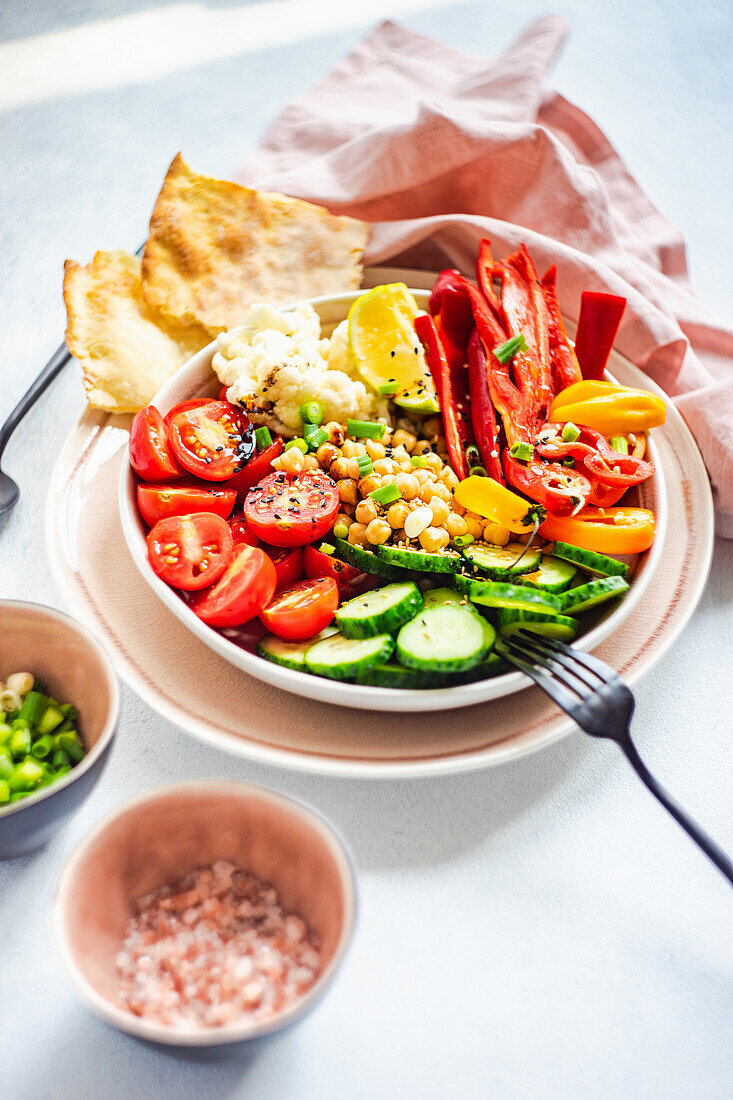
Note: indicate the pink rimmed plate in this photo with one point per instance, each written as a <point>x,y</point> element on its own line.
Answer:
<point>193,685</point>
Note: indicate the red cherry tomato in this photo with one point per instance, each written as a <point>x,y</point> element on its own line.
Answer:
<point>213,442</point>
<point>223,394</point>
<point>292,509</point>
<point>259,466</point>
<point>190,552</point>
<point>246,586</point>
<point>150,455</point>
<point>241,531</point>
<point>160,501</point>
<point>185,406</point>
<point>302,610</point>
<point>288,564</point>
<point>350,581</point>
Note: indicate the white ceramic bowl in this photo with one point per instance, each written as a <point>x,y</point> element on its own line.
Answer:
<point>195,379</point>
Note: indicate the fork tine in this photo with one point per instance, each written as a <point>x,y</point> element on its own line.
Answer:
<point>568,677</point>
<point>564,699</point>
<point>593,664</point>
<point>565,656</point>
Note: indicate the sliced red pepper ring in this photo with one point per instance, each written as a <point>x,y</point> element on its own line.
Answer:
<point>457,431</point>
<point>560,490</point>
<point>598,458</point>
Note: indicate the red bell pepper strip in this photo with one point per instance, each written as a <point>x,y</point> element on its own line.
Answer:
<point>453,401</point>
<point>484,271</point>
<point>564,362</point>
<point>600,316</point>
<point>558,489</point>
<point>449,303</point>
<point>483,415</point>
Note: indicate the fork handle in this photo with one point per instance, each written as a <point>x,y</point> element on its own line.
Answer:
<point>715,854</point>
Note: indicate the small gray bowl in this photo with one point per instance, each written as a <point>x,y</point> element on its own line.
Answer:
<point>65,656</point>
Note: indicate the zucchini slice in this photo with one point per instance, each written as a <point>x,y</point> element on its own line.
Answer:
<point>548,623</point>
<point>445,638</point>
<point>289,654</point>
<point>366,561</point>
<point>500,561</point>
<point>552,575</point>
<point>380,611</point>
<point>447,561</point>
<point>598,564</point>
<point>341,658</point>
<point>591,594</point>
<point>520,597</point>
<point>397,676</point>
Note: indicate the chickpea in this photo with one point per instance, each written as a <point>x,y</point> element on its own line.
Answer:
<point>375,449</point>
<point>326,454</point>
<point>339,468</point>
<point>347,490</point>
<point>408,485</point>
<point>353,465</point>
<point>399,455</point>
<point>336,432</point>
<point>378,531</point>
<point>495,533</point>
<point>434,462</point>
<point>384,466</point>
<point>422,475</point>
<point>474,526</point>
<point>351,449</point>
<point>458,508</point>
<point>434,538</point>
<point>427,491</point>
<point>440,511</point>
<point>442,491</point>
<point>369,483</point>
<point>366,510</point>
<point>344,517</point>
<point>432,427</point>
<point>448,478</point>
<point>422,447</point>
<point>401,438</point>
<point>456,525</point>
<point>387,479</point>
<point>290,461</point>
<point>310,462</point>
<point>357,534</point>
<point>441,445</point>
<point>397,513</point>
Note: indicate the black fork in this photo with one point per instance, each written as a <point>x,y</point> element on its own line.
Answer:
<point>598,700</point>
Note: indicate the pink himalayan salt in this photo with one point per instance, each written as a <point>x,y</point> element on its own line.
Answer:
<point>215,948</point>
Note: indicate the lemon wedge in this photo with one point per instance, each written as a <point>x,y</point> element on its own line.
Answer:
<point>386,350</point>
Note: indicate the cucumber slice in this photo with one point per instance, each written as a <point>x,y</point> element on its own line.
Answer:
<point>366,561</point>
<point>380,611</point>
<point>553,575</point>
<point>598,564</point>
<point>445,638</point>
<point>547,623</point>
<point>341,658</point>
<point>494,665</point>
<point>436,597</point>
<point>500,594</point>
<point>289,654</point>
<point>397,676</point>
<point>499,561</point>
<point>591,594</point>
<point>447,561</point>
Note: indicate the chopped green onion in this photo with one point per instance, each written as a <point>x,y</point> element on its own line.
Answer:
<point>569,461</point>
<point>60,759</point>
<point>20,743</point>
<point>521,451</point>
<point>477,471</point>
<point>418,461</point>
<point>311,412</point>
<point>570,433</point>
<point>72,743</point>
<point>42,746</point>
<point>314,436</point>
<point>364,463</point>
<point>364,429</point>
<point>473,458</point>
<point>33,708</point>
<point>263,438</point>
<point>462,540</point>
<point>388,389</point>
<point>507,351</point>
<point>341,531</point>
<point>6,762</point>
<point>26,775</point>
<point>386,494</point>
<point>326,547</point>
<point>299,443</point>
<point>5,732</point>
<point>4,791</point>
<point>620,444</point>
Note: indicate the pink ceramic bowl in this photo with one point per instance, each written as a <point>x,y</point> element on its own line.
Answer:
<point>157,838</point>
<point>63,654</point>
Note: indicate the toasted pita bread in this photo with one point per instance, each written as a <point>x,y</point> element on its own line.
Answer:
<point>216,248</point>
<point>126,348</point>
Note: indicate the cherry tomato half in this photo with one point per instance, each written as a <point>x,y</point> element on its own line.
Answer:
<point>246,586</point>
<point>302,610</point>
<point>350,581</point>
<point>288,562</point>
<point>292,509</point>
<point>241,531</point>
<point>259,466</point>
<point>213,442</point>
<point>185,406</point>
<point>150,455</point>
<point>160,501</point>
<point>190,552</point>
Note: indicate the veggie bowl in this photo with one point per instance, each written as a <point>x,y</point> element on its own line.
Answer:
<point>448,596</point>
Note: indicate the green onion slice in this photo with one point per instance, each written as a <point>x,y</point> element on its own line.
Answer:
<point>570,433</point>
<point>365,429</point>
<point>386,494</point>
<point>620,444</point>
<point>311,412</point>
<point>299,443</point>
<point>508,350</point>
<point>263,438</point>
<point>521,451</point>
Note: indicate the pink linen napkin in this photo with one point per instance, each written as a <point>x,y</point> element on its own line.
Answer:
<point>437,150</point>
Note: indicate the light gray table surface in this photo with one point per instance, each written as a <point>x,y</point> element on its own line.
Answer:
<point>537,930</point>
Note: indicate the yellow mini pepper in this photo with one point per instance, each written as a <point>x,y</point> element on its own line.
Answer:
<point>608,408</point>
<point>493,501</point>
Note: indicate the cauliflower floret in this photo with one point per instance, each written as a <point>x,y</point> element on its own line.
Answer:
<point>276,361</point>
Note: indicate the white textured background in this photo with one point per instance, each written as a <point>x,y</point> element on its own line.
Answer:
<point>538,931</point>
